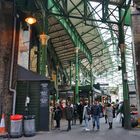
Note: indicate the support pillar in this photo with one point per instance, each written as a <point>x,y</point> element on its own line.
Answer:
<point>91,82</point>
<point>43,45</point>
<point>43,59</point>
<point>124,74</point>
<point>70,73</point>
<point>43,54</point>
<point>76,76</point>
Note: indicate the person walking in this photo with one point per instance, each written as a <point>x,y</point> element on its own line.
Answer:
<point>101,110</point>
<point>69,114</point>
<point>74,114</point>
<point>95,113</point>
<point>57,115</point>
<point>114,110</point>
<point>121,112</point>
<point>80,112</point>
<point>105,114</point>
<point>109,112</point>
<point>86,115</point>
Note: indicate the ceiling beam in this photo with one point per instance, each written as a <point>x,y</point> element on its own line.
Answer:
<point>70,29</point>
<point>65,51</point>
<point>62,44</point>
<point>61,40</point>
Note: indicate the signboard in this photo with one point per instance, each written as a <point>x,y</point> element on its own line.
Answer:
<point>44,106</point>
<point>44,95</point>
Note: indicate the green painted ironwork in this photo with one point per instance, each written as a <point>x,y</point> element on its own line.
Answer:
<point>77,41</point>
<point>75,7</point>
<point>61,12</point>
<point>84,69</point>
<point>76,76</point>
<point>127,16</point>
<point>70,73</point>
<point>43,53</point>
<point>91,76</point>
<point>105,4</point>
<point>43,59</point>
<point>122,46</point>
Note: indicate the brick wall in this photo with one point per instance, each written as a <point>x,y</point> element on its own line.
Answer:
<point>6,26</point>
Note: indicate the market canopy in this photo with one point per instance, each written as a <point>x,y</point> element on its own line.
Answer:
<point>26,75</point>
<point>90,25</point>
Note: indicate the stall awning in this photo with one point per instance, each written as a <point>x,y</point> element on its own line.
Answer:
<point>27,75</point>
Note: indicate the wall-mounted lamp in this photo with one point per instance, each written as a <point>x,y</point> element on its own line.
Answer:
<point>30,20</point>
<point>44,39</point>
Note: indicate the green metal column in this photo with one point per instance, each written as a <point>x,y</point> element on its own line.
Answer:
<point>76,77</point>
<point>43,59</point>
<point>70,73</point>
<point>43,44</point>
<point>91,82</point>
<point>91,76</point>
<point>124,74</point>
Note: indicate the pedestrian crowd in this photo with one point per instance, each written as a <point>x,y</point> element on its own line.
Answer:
<point>86,113</point>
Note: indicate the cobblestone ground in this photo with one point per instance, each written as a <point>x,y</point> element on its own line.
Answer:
<point>77,133</point>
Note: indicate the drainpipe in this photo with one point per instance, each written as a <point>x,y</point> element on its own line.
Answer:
<point>12,62</point>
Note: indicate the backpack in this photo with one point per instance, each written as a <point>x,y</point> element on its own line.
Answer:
<point>88,110</point>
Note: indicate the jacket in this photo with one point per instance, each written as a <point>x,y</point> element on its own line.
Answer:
<point>109,112</point>
<point>85,113</point>
<point>57,113</point>
<point>69,113</point>
<point>95,110</point>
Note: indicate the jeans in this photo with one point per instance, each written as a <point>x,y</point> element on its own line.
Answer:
<point>96,121</point>
<point>86,122</point>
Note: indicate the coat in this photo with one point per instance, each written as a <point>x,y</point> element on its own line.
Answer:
<point>85,113</point>
<point>69,113</point>
<point>109,112</point>
<point>80,110</point>
<point>95,110</point>
<point>57,113</point>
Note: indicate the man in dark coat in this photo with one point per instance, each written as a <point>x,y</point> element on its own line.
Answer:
<point>57,115</point>
<point>80,111</point>
<point>121,110</point>
<point>95,113</point>
<point>69,115</point>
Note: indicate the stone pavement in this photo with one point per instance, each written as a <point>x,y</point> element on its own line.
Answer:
<point>77,133</point>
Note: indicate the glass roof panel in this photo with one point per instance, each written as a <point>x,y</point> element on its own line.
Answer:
<point>110,39</point>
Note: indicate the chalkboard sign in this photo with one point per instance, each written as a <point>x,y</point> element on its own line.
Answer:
<point>44,106</point>
<point>44,95</point>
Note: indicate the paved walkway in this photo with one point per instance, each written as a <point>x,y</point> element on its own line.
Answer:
<point>77,133</point>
